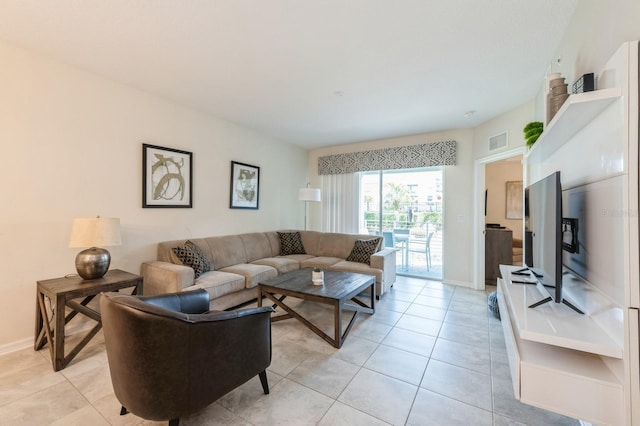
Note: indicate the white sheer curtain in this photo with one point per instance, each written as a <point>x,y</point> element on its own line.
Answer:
<point>340,199</point>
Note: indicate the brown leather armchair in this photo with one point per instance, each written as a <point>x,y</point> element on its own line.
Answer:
<point>169,357</point>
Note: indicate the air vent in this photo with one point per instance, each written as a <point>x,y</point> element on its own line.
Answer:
<point>498,141</point>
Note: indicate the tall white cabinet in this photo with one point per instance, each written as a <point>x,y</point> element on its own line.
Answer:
<point>587,366</point>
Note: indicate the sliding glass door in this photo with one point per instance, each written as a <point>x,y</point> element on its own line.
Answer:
<point>406,208</point>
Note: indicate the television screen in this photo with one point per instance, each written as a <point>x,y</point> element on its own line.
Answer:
<point>543,236</point>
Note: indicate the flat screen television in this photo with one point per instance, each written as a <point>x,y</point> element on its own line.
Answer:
<point>543,237</point>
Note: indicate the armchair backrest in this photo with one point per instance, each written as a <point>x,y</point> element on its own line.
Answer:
<point>188,302</point>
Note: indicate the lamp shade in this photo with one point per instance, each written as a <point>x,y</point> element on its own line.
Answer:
<point>95,232</point>
<point>309,194</point>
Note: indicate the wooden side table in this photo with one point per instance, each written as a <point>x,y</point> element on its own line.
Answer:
<point>62,292</point>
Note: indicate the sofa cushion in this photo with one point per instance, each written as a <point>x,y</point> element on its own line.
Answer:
<point>252,273</point>
<point>333,244</point>
<point>298,257</point>
<point>190,255</point>
<point>310,241</point>
<point>282,264</point>
<point>226,250</point>
<point>363,249</point>
<point>218,283</point>
<point>290,243</point>
<point>322,262</point>
<point>359,268</point>
<point>256,246</point>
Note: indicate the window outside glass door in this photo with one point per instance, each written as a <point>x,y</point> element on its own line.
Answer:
<point>406,208</point>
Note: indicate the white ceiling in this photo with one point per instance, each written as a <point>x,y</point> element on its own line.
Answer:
<point>310,72</point>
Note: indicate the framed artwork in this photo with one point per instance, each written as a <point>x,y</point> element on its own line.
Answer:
<point>167,177</point>
<point>514,199</point>
<point>245,186</point>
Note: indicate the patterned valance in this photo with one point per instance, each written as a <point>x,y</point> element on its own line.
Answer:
<point>404,157</point>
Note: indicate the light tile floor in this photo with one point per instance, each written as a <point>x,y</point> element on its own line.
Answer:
<point>432,354</point>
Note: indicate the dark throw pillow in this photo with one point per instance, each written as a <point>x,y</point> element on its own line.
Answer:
<point>290,243</point>
<point>363,249</point>
<point>191,255</point>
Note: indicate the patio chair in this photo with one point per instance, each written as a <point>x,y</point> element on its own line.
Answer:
<point>401,241</point>
<point>423,248</point>
<point>388,239</point>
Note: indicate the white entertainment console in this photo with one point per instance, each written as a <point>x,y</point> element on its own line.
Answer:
<point>556,355</point>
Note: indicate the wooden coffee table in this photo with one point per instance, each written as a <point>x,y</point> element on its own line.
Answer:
<point>339,289</point>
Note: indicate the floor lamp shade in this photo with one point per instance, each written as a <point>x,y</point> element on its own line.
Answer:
<point>93,262</point>
<point>309,194</point>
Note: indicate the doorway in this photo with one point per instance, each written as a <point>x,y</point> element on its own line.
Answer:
<point>503,216</point>
<point>495,202</point>
<point>406,208</point>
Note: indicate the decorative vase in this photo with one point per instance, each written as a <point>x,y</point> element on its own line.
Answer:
<point>317,277</point>
<point>556,95</point>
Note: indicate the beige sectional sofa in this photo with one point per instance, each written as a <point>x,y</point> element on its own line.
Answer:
<point>237,263</point>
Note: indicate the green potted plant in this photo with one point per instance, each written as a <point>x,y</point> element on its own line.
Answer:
<point>532,132</point>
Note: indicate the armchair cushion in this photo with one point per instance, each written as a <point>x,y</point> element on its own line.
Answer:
<point>190,255</point>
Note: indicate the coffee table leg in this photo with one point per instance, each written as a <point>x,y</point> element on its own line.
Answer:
<point>373,296</point>
<point>337,308</point>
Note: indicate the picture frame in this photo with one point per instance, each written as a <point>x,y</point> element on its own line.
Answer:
<point>167,177</point>
<point>245,186</point>
<point>514,197</point>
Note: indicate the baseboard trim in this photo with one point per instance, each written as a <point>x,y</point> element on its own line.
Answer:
<point>27,342</point>
<point>459,283</point>
<point>16,346</point>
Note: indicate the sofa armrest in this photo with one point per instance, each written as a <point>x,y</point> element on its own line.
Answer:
<point>164,277</point>
<point>385,260</point>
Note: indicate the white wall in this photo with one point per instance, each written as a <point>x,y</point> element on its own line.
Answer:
<point>72,144</point>
<point>597,30</point>
<point>458,201</point>
<point>512,122</point>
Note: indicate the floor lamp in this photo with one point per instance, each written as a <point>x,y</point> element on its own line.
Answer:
<point>308,194</point>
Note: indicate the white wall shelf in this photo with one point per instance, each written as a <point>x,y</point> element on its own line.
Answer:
<point>575,113</point>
